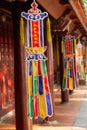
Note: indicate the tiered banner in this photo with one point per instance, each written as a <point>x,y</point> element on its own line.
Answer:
<point>39,96</point>
<point>79,61</point>
<point>68,50</point>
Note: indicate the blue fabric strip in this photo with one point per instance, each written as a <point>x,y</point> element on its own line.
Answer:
<point>49,105</point>
<point>40,81</point>
<point>29,34</point>
<point>30,68</point>
<point>70,72</point>
<point>41,34</point>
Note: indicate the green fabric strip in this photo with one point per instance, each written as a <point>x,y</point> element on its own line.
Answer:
<point>44,67</point>
<point>30,104</point>
<point>83,75</point>
<point>64,84</point>
<point>68,73</point>
<point>34,85</point>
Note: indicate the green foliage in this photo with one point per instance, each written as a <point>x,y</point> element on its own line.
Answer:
<point>85,4</point>
<point>85,1</point>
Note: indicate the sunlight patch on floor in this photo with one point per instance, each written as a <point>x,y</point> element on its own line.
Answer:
<point>57,128</point>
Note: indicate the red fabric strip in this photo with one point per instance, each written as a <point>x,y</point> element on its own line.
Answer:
<point>67,85</point>
<point>36,106</point>
<point>46,84</point>
<point>39,67</point>
<point>35,34</point>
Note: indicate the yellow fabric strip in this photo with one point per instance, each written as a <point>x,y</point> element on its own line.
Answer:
<point>67,65</point>
<point>64,73</point>
<point>71,83</point>
<point>42,106</point>
<point>34,68</point>
<point>21,31</point>
<point>30,85</point>
<point>82,68</point>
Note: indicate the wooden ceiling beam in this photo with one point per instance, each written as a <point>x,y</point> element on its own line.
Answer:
<point>16,0</point>
<point>54,8</point>
<point>77,7</point>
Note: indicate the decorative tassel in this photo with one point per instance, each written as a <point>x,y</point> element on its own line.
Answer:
<point>57,48</point>
<point>22,31</point>
<point>49,38</point>
<point>62,46</point>
<point>75,45</point>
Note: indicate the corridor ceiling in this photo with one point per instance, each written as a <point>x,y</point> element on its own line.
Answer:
<point>63,12</point>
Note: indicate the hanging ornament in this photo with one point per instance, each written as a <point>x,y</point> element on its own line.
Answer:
<point>68,48</point>
<point>39,96</point>
<point>79,62</point>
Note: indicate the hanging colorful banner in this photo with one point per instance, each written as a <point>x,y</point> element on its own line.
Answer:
<point>80,71</point>
<point>39,97</point>
<point>68,50</point>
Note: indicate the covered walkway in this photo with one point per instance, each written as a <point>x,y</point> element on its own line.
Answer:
<point>70,116</point>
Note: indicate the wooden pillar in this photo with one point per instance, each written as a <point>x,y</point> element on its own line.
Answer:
<point>64,94</point>
<point>19,70</point>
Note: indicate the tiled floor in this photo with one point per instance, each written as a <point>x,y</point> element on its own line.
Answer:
<point>65,113</point>
<point>8,123</point>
